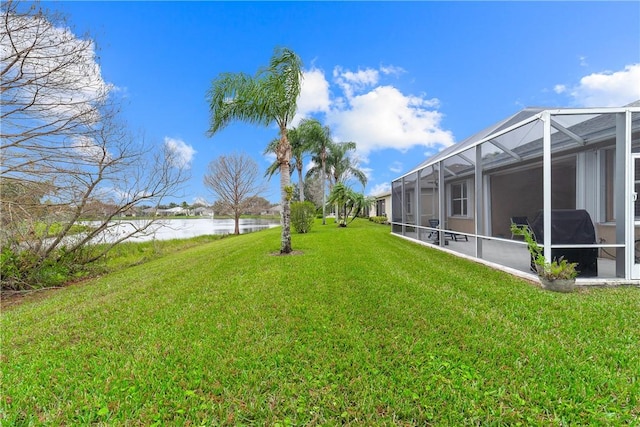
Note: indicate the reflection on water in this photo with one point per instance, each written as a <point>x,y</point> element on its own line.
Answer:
<point>165,229</point>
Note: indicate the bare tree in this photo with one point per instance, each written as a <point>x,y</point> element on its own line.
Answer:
<point>63,150</point>
<point>235,180</point>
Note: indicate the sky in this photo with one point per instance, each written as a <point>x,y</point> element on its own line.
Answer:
<point>401,79</point>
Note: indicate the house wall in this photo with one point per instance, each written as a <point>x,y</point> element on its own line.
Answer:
<point>387,205</point>
<point>428,205</point>
<point>465,225</point>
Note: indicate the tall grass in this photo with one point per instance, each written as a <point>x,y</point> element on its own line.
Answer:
<point>360,328</point>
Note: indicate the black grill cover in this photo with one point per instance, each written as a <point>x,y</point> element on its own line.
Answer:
<point>570,226</point>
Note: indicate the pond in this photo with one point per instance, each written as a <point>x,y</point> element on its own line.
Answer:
<point>165,229</point>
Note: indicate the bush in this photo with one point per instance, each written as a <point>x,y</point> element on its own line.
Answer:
<point>25,270</point>
<point>302,216</point>
<point>379,219</point>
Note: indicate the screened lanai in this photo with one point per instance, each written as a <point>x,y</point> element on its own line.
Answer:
<point>571,174</point>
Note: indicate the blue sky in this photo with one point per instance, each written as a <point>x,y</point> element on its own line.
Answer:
<point>401,79</point>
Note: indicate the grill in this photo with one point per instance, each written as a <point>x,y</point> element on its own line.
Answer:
<point>570,226</point>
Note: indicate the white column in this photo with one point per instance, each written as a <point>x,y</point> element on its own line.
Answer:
<point>546,182</point>
<point>441,201</point>
<point>479,201</point>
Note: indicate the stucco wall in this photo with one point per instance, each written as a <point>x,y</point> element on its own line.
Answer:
<point>465,225</point>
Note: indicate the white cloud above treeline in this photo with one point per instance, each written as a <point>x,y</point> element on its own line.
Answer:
<point>376,116</point>
<point>605,89</point>
<point>182,153</point>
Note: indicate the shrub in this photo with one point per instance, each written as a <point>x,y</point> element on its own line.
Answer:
<point>379,219</point>
<point>302,216</point>
<point>25,269</point>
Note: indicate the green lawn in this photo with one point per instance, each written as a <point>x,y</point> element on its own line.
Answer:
<point>362,328</point>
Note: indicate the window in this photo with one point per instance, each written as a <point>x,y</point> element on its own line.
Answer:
<point>459,199</point>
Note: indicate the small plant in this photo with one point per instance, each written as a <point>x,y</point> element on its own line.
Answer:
<point>558,269</point>
<point>302,216</point>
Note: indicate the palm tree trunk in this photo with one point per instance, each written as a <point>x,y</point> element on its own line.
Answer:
<point>300,182</point>
<point>283,157</point>
<point>324,192</point>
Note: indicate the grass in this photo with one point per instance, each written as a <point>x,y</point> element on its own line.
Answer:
<point>362,328</point>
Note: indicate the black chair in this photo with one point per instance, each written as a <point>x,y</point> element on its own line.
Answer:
<point>435,223</point>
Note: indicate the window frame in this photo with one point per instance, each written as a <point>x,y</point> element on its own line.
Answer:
<point>463,199</point>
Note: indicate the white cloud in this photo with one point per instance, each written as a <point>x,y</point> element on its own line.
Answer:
<point>386,118</point>
<point>62,66</point>
<point>181,153</point>
<point>351,82</point>
<point>269,157</point>
<point>379,189</point>
<point>396,167</point>
<point>89,151</point>
<point>608,89</point>
<point>583,61</point>
<point>392,69</point>
<point>373,114</point>
<point>368,172</point>
<point>559,88</point>
<point>314,94</point>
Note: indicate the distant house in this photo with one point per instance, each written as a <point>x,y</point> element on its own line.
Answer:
<point>572,173</point>
<point>273,210</point>
<point>150,211</point>
<point>203,211</point>
<point>175,211</point>
<point>382,205</point>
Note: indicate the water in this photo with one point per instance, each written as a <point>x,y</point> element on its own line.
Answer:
<point>165,229</point>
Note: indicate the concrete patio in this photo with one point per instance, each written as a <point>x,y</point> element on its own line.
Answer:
<point>512,256</point>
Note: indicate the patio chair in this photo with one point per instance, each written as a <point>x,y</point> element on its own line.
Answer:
<point>435,223</point>
<point>520,221</point>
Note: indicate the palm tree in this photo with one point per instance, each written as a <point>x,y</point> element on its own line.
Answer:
<point>342,166</point>
<point>270,96</point>
<point>306,136</point>
<point>299,146</point>
<point>272,148</point>
<point>348,202</point>
<point>340,197</point>
<point>319,145</point>
<point>359,203</point>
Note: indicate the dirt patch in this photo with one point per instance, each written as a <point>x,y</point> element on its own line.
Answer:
<point>10,299</point>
